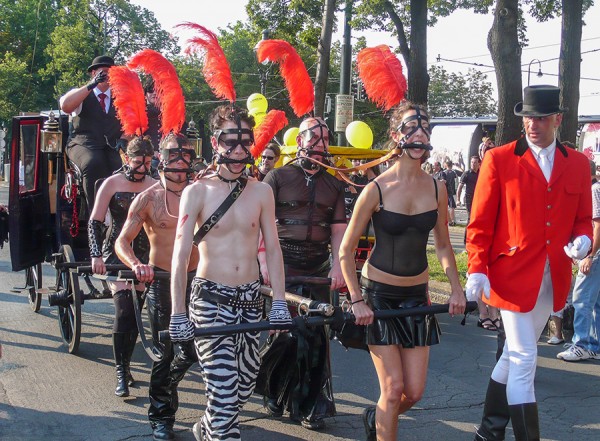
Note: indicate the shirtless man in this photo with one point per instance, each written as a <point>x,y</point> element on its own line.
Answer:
<point>156,210</point>
<point>225,289</point>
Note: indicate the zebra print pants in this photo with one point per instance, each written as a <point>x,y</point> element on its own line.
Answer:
<point>229,363</point>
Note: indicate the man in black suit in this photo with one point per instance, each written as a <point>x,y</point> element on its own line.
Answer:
<point>92,144</point>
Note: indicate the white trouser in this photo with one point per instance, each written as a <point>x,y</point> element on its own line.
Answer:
<point>516,367</point>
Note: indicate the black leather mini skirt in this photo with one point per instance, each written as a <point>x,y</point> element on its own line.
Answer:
<point>408,331</point>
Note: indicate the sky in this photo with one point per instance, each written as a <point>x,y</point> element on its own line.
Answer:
<point>461,37</point>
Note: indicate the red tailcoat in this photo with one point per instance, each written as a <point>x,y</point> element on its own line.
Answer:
<point>518,220</point>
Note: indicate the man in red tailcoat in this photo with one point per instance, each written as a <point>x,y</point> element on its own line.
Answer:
<point>531,215</point>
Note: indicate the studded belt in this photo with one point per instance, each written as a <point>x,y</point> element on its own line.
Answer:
<point>233,302</point>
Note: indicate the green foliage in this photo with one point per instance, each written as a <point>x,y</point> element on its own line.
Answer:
<point>57,39</point>
<point>437,273</point>
<point>459,95</point>
<point>14,78</point>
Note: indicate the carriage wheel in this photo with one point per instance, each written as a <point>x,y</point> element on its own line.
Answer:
<point>69,312</point>
<point>33,283</point>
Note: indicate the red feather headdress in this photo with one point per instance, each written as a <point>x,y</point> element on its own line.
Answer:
<point>273,123</point>
<point>381,73</point>
<point>216,70</point>
<point>167,88</point>
<point>129,100</point>
<point>293,71</point>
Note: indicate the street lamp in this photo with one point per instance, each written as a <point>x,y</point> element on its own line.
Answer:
<point>263,74</point>
<point>539,74</point>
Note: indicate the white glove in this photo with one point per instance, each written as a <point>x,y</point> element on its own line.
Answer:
<point>476,283</point>
<point>579,248</point>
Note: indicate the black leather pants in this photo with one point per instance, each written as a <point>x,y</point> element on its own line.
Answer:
<point>176,357</point>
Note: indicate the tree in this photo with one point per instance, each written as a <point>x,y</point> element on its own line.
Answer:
<point>569,69</point>
<point>503,44</point>
<point>57,39</point>
<point>306,25</point>
<point>324,50</point>
<point>459,95</point>
<point>14,79</point>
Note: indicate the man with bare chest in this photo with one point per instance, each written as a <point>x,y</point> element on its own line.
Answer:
<point>225,289</point>
<point>156,210</point>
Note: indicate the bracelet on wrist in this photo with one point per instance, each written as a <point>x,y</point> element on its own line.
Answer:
<point>358,301</point>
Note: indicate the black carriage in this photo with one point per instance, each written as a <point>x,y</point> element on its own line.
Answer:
<point>48,219</point>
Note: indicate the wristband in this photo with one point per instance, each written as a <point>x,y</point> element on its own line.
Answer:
<point>357,301</point>
<point>95,237</point>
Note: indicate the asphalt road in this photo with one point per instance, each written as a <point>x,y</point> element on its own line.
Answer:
<point>48,394</point>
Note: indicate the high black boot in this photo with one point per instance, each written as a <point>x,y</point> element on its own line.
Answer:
<point>131,339</point>
<point>526,425</point>
<point>495,413</point>
<point>121,351</point>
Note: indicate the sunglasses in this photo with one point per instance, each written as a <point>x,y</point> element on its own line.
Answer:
<point>270,158</point>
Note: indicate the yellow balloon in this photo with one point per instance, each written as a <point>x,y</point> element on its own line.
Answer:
<point>289,137</point>
<point>359,135</point>
<point>257,103</point>
<point>258,118</point>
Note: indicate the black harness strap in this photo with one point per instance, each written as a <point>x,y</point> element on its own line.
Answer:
<point>219,212</point>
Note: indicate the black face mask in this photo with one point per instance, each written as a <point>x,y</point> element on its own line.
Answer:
<point>132,173</point>
<point>313,136</point>
<point>409,131</point>
<point>231,144</point>
<point>166,162</point>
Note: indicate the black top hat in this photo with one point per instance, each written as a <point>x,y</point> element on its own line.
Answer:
<point>101,61</point>
<point>539,101</point>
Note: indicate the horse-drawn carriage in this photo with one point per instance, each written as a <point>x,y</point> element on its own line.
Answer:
<point>48,219</point>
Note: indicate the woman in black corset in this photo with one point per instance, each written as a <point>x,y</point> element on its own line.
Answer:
<point>405,204</point>
<point>116,195</point>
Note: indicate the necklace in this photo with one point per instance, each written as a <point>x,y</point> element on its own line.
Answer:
<point>228,181</point>
<point>175,192</point>
<point>307,176</point>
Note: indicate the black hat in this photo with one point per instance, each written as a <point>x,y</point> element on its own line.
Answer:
<point>101,61</point>
<point>539,101</point>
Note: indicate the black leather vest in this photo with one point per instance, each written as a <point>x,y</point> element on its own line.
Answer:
<point>92,127</point>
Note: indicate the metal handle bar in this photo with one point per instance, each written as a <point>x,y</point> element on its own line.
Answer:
<point>307,280</point>
<point>301,322</point>
<point>87,269</point>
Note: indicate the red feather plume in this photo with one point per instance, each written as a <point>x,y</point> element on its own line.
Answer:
<point>293,71</point>
<point>381,73</point>
<point>216,70</point>
<point>274,121</point>
<point>129,100</point>
<point>167,88</point>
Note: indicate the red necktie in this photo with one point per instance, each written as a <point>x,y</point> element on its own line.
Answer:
<point>102,98</point>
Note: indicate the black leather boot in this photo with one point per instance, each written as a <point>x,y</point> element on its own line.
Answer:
<point>369,423</point>
<point>526,425</point>
<point>495,413</point>
<point>120,348</point>
<point>130,341</point>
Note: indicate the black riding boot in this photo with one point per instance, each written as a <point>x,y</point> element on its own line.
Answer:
<point>495,413</point>
<point>121,351</point>
<point>131,340</point>
<point>526,425</point>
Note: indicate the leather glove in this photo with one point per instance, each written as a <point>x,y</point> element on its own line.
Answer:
<point>181,328</point>
<point>476,283</point>
<point>579,248</point>
<point>280,314</point>
<point>101,77</point>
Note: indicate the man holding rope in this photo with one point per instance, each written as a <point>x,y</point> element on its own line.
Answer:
<point>310,216</point>
<point>156,210</point>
